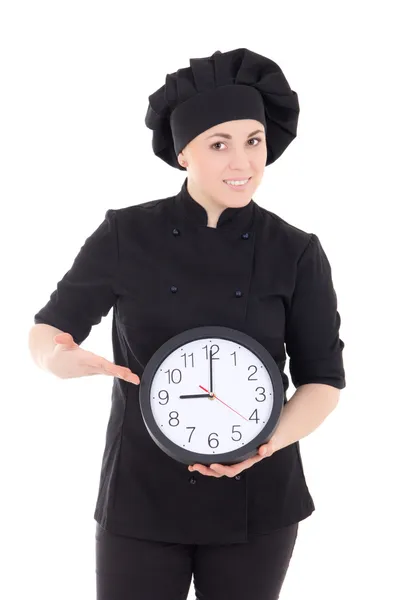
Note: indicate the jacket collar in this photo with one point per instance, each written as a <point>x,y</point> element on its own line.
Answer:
<point>189,210</point>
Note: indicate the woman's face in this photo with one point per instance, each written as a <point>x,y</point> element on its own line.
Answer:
<point>238,154</point>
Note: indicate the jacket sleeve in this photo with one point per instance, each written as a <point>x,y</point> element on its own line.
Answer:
<point>86,292</point>
<point>312,326</point>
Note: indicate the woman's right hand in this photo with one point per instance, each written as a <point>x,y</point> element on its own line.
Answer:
<point>69,360</point>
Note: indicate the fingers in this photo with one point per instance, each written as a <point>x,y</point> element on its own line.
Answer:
<point>124,373</point>
<point>217,470</point>
<point>205,471</point>
<point>267,449</point>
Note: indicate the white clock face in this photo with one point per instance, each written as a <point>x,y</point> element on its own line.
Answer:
<point>240,410</point>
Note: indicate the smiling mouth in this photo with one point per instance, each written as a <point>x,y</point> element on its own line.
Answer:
<point>237,186</point>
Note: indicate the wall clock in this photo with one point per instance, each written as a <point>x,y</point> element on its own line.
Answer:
<point>211,394</point>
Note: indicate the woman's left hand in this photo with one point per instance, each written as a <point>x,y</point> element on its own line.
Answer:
<point>216,470</point>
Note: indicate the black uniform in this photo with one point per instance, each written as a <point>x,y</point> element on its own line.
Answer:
<point>163,270</point>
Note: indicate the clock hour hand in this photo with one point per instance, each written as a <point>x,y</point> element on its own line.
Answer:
<point>195,396</point>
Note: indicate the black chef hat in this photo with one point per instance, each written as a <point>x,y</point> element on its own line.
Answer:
<point>238,84</point>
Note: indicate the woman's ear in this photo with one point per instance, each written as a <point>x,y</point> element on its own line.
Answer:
<point>181,160</point>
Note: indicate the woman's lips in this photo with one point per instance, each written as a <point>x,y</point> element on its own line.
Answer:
<point>238,187</point>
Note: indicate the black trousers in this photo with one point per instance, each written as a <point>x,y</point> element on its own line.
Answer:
<point>134,569</point>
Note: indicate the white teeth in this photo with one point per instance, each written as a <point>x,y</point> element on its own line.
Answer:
<point>237,182</point>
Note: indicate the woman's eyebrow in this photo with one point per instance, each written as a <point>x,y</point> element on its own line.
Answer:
<point>229,137</point>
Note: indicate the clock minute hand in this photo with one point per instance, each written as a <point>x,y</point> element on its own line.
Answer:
<point>211,375</point>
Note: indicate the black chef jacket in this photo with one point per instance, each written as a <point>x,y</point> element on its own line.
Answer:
<point>163,270</point>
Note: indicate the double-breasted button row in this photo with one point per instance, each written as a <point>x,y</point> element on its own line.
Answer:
<point>244,236</point>
<point>174,289</point>
<point>194,480</point>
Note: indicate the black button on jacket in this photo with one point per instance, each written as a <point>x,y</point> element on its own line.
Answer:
<point>163,270</point>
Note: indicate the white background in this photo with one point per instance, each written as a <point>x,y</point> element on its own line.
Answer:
<point>75,79</point>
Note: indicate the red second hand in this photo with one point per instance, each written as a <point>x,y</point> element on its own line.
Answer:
<point>216,397</point>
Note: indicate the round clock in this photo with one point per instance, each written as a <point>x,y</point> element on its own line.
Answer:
<point>211,394</point>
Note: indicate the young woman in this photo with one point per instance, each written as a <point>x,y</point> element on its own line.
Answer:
<point>208,255</point>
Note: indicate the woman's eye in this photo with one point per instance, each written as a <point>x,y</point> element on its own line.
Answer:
<point>255,138</point>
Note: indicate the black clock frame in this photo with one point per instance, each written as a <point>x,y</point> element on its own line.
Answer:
<point>209,331</point>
